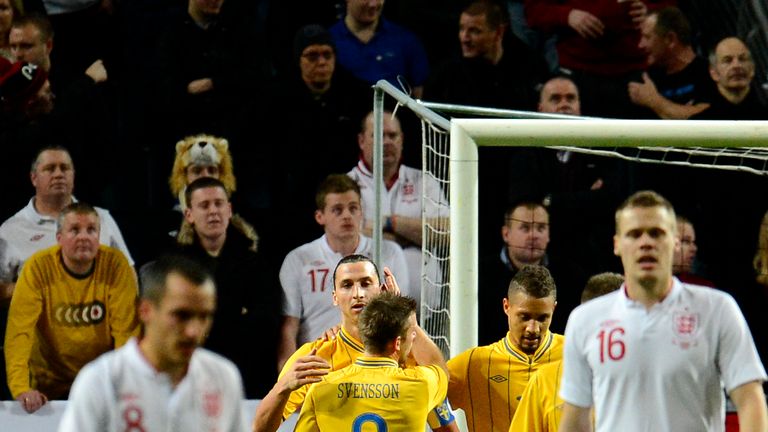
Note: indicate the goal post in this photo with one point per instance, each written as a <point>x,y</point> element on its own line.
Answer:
<point>466,135</point>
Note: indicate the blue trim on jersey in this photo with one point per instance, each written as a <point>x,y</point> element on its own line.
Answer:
<point>514,353</point>
<point>545,347</point>
<point>444,413</point>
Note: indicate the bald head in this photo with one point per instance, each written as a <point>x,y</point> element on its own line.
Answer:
<point>560,95</point>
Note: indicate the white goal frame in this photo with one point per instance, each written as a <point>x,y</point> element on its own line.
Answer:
<point>467,135</point>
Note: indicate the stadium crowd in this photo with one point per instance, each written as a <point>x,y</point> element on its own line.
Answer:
<point>238,134</point>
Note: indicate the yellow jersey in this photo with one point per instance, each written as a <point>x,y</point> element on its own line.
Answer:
<point>540,408</point>
<point>488,381</point>
<point>58,321</point>
<point>373,394</point>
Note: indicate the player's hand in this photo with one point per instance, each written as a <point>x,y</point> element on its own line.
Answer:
<point>638,12</point>
<point>330,334</point>
<point>305,370</point>
<point>390,284</point>
<point>586,25</point>
<point>644,93</point>
<point>32,400</point>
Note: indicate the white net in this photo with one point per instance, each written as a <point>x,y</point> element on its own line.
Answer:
<point>435,316</point>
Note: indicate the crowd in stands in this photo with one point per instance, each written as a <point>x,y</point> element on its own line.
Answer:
<point>257,114</point>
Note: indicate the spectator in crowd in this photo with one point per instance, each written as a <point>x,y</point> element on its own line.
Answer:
<point>31,40</point>
<point>356,282</point>
<point>163,381</point>
<point>373,48</point>
<point>327,103</point>
<point>306,271</point>
<point>204,69</point>
<point>83,114</point>
<point>702,341</point>
<point>677,84</point>
<point>490,403</point>
<point>389,330</point>
<point>732,68</point>
<point>489,72</point>
<point>249,297</point>
<point>526,236</point>
<point>597,41</point>
<point>34,227</point>
<point>402,201</point>
<point>685,256</point>
<point>539,408</point>
<point>760,262</point>
<point>7,13</point>
<point>72,302</point>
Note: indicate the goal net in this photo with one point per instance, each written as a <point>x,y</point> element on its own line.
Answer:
<point>728,150</point>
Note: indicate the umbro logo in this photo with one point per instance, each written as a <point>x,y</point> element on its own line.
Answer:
<point>498,378</point>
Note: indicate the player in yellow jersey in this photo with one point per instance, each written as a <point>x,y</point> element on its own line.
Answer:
<point>540,407</point>
<point>487,381</point>
<point>356,282</point>
<point>375,390</point>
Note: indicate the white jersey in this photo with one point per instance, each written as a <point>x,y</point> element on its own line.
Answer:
<point>404,198</point>
<point>307,280</point>
<point>28,231</point>
<point>120,391</point>
<point>661,369</point>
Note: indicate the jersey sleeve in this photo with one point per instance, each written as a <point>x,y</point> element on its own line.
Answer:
<point>123,323</point>
<point>291,284</point>
<point>437,382</point>
<point>576,387</point>
<point>737,358</point>
<point>296,398</point>
<point>307,418</point>
<point>235,394</point>
<point>88,408</point>
<point>21,334</point>
<point>395,260</point>
<point>115,236</point>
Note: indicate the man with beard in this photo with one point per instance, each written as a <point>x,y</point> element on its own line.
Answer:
<point>72,302</point>
<point>487,381</point>
<point>661,346</point>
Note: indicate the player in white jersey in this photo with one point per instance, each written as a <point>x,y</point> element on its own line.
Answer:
<point>306,273</point>
<point>655,355</point>
<point>163,381</point>
<point>33,228</point>
<point>401,198</point>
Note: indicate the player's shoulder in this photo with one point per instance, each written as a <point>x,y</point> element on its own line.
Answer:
<point>214,365</point>
<point>597,306</point>
<point>471,354</point>
<point>704,296</point>
<point>306,252</point>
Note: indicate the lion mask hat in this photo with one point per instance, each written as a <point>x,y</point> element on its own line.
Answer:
<point>205,150</point>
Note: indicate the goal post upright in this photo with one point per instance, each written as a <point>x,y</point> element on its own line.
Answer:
<point>467,134</point>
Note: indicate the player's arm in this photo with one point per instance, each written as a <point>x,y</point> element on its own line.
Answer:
<point>87,409</point>
<point>750,405</point>
<point>6,292</point>
<point>288,334</point>
<point>575,419</point>
<point>426,352</point>
<point>305,370</point>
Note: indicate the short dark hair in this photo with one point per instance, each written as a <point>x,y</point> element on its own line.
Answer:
<point>601,284</point>
<point>495,14</point>
<point>153,275</point>
<point>672,19</point>
<point>383,320</point>
<point>349,259</point>
<point>76,208</point>
<point>334,183</point>
<point>38,20</point>
<point>643,199</point>
<point>51,147</point>
<point>533,280</point>
<point>528,204</point>
<point>202,183</point>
